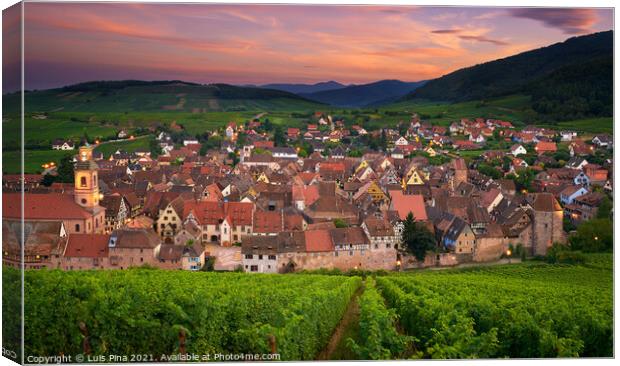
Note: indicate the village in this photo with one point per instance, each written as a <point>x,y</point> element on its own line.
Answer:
<point>330,195</point>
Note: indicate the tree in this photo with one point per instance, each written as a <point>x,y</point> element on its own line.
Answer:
<point>154,148</point>
<point>66,170</point>
<point>604,209</point>
<point>278,137</point>
<point>340,223</point>
<point>417,239</point>
<point>48,179</point>
<point>593,236</point>
<point>267,125</point>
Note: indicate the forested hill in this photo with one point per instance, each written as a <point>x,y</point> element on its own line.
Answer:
<point>153,96</point>
<point>578,71</point>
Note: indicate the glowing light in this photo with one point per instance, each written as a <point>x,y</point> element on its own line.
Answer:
<point>509,252</point>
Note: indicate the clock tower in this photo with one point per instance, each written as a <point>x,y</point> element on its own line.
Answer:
<point>86,190</point>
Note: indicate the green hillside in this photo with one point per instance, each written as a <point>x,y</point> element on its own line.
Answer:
<point>156,96</point>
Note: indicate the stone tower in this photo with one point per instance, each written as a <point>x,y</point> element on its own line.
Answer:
<point>86,189</point>
<point>548,225</point>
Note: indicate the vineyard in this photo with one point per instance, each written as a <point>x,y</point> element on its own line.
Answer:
<point>145,311</point>
<point>525,311</point>
<point>528,310</point>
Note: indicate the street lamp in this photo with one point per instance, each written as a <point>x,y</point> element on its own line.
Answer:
<point>509,253</point>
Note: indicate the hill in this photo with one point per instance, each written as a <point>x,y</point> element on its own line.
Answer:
<point>305,88</point>
<point>578,71</point>
<point>380,92</point>
<point>153,96</point>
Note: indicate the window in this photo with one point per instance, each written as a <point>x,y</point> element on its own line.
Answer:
<point>350,253</point>
<point>82,181</point>
<point>260,256</point>
<point>254,268</point>
<point>376,246</point>
<point>249,256</point>
<point>77,228</point>
<point>387,245</point>
<point>235,237</point>
<point>335,254</point>
<point>83,201</point>
<point>272,257</point>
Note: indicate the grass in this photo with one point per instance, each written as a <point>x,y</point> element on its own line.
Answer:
<point>108,148</point>
<point>587,125</point>
<point>515,108</point>
<point>33,159</point>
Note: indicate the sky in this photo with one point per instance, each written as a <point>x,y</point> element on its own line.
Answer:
<point>67,43</point>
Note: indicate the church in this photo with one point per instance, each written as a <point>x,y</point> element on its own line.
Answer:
<point>79,211</point>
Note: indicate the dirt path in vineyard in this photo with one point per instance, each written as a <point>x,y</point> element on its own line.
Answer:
<point>336,349</point>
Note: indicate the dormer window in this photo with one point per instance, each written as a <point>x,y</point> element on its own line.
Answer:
<point>82,181</point>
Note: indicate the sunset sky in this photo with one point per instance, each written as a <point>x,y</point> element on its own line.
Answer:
<point>255,44</point>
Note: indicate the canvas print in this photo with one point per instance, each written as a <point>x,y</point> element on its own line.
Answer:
<point>214,182</point>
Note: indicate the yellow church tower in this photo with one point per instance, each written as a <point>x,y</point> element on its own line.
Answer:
<point>86,190</point>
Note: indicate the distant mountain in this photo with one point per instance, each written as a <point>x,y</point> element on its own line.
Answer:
<point>380,92</point>
<point>136,95</point>
<point>305,88</point>
<point>523,73</point>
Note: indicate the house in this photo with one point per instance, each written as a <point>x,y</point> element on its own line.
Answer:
<point>122,134</point>
<point>292,133</point>
<point>42,247</point>
<point>517,150</point>
<point>543,147</point>
<point>580,148</point>
<point>567,135</point>
<point>187,142</point>
<point>117,211</point>
<point>604,140</point>
<point>403,204</point>
<point>458,237</point>
<point>221,222</point>
<point>577,163</point>
<point>401,141</point>
<point>568,195</point>
<point>63,145</point>
<point>465,145</point>
<point>584,207</point>
<point>132,248</point>
<point>279,152</point>
<point>86,251</point>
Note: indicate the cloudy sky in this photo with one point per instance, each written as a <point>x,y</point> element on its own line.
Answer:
<point>243,44</point>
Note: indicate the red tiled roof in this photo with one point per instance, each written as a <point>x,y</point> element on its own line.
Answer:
<point>408,203</point>
<point>318,241</point>
<point>268,222</point>
<point>212,213</point>
<point>545,146</point>
<point>87,245</point>
<point>50,206</point>
<point>308,194</point>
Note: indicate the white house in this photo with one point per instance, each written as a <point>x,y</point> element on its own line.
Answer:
<point>517,150</point>
<point>190,142</point>
<point>283,152</point>
<point>568,195</point>
<point>582,179</point>
<point>401,141</point>
<point>603,140</point>
<point>568,135</point>
<point>63,145</point>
